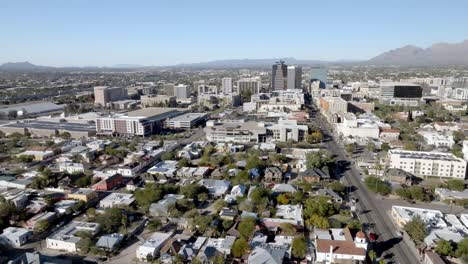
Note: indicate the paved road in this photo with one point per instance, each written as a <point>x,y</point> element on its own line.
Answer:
<point>371,211</point>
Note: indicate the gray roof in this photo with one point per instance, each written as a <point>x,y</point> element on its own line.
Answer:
<point>34,108</point>
<point>109,241</point>
<point>79,127</point>
<point>267,254</point>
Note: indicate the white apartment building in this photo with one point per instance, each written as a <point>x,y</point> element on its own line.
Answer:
<point>249,84</point>
<point>227,85</point>
<point>460,93</point>
<point>438,140</point>
<point>152,246</point>
<point>423,164</point>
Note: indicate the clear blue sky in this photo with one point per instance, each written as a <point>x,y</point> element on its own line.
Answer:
<point>109,32</point>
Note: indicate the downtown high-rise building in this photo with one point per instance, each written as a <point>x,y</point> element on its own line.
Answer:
<point>279,76</point>
<point>227,85</point>
<point>104,95</point>
<point>182,91</point>
<point>294,77</point>
<point>250,85</point>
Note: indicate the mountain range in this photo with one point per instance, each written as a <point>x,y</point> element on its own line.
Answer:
<point>449,54</point>
<point>439,54</point>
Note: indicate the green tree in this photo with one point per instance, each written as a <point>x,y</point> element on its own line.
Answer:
<point>282,198</point>
<point>191,191</point>
<point>350,148</point>
<point>354,225</point>
<point>154,225</point>
<point>110,220</point>
<point>299,247</point>
<point>41,226</point>
<point>377,185</point>
<point>337,187</point>
<point>288,228</point>
<point>444,248</point>
<point>7,210</point>
<point>416,229</point>
<point>372,255</point>
<point>318,221</point>
<point>385,147</point>
<point>240,247</point>
<point>168,156</point>
<point>318,159</point>
<point>319,205</point>
<point>247,227</point>
<point>462,248</point>
<point>456,185</point>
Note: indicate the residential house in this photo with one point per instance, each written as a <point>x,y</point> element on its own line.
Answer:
<point>273,174</point>
<point>216,188</point>
<point>114,200</point>
<point>152,246</point>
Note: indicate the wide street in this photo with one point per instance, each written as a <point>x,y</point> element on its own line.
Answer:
<point>389,245</point>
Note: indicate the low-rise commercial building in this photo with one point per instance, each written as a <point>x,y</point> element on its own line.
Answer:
<point>236,131</point>
<point>142,122</point>
<point>187,121</point>
<point>83,194</point>
<point>40,128</point>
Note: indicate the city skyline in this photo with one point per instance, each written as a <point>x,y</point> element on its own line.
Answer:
<point>79,33</point>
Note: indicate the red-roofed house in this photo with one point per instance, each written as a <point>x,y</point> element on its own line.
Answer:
<point>109,183</point>
<point>338,247</point>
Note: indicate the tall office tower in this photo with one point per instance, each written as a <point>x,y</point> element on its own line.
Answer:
<point>168,89</point>
<point>182,91</point>
<point>279,76</point>
<point>104,95</point>
<point>227,85</point>
<point>294,77</point>
<point>252,85</point>
<point>319,73</point>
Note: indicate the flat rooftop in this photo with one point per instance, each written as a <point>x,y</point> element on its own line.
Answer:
<point>151,111</point>
<point>406,154</point>
<point>79,127</point>
<point>188,117</point>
